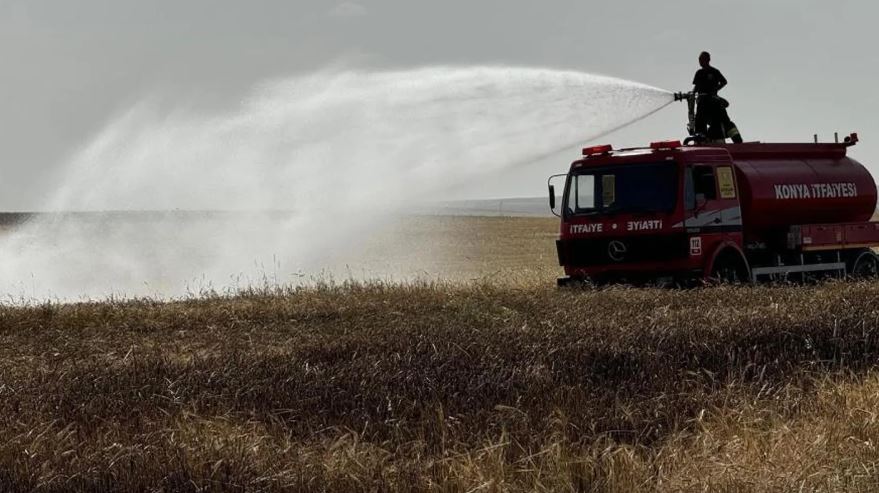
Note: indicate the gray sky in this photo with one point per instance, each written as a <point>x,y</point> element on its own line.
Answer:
<point>796,67</point>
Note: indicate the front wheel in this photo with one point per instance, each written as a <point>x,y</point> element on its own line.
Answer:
<point>729,268</point>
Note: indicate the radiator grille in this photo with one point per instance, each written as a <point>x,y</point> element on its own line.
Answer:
<point>584,252</point>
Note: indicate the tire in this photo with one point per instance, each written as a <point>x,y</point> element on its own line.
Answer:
<point>730,268</point>
<point>573,283</point>
<point>865,266</point>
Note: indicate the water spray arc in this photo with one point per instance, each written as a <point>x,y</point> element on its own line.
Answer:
<point>337,149</point>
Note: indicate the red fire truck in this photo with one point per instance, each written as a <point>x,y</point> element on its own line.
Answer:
<point>675,213</point>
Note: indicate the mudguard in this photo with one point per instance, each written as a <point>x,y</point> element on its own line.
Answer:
<point>709,265</point>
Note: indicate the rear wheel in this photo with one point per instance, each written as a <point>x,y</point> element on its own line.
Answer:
<point>866,266</point>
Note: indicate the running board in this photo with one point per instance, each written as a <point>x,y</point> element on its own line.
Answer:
<point>793,269</point>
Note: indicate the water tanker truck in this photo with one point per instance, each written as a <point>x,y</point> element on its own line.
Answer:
<point>675,213</point>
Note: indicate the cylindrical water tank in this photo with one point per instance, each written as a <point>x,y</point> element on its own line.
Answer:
<point>777,191</point>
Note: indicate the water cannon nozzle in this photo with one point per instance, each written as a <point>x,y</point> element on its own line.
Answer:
<point>683,96</point>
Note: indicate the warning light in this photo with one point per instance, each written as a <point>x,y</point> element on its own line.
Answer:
<point>665,144</point>
<point>591,151</point>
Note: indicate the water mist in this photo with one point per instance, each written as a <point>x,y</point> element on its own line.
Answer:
<point>332,151</point>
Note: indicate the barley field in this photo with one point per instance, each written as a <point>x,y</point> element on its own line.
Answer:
<point>488,379</point>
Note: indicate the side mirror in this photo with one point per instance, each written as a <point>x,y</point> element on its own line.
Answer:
<point>700,200</point>
<point>553,200</point>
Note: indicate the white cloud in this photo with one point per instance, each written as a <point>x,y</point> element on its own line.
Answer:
<point>348,9</point>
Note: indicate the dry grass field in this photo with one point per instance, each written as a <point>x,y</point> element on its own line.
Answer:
<point>488,249</point>
<point>495,381</point>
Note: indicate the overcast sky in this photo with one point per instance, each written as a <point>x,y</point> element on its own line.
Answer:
<point>796,67</point>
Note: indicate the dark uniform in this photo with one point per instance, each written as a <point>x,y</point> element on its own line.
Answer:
<point>708,80</point>
<point>712,119</point>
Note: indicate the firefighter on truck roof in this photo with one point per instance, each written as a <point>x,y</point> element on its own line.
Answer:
<point>712,120</point>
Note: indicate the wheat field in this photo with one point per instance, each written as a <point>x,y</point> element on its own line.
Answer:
<point>490,379</point>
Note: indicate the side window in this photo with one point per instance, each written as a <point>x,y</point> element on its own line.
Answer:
<point>585,187</point>
<point>571,196</point>
<point>704,182</point>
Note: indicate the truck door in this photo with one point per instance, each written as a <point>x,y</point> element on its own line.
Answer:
<point>712,201</point>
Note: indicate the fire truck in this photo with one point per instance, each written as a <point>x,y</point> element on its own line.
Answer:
<point>678,213</point>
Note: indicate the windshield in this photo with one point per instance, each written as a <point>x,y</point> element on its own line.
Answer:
<point>648,187</point>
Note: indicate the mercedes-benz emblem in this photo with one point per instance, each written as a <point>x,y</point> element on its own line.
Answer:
<point>617,250</point>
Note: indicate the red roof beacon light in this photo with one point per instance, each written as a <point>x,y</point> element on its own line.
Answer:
<point>665,144</point>
<point>592,151</point>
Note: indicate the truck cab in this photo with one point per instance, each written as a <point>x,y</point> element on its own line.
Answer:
<point>648,214</point>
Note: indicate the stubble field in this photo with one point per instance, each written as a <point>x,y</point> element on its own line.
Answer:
<point>493,380</point>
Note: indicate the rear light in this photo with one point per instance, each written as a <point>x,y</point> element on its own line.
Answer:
<point>665,144</point>
<point>591,151</point>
